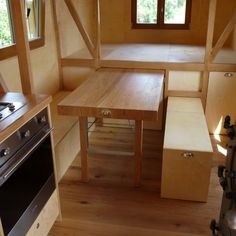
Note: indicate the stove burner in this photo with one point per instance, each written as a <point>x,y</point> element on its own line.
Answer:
<point>3,105</point>
<point>7,108</point>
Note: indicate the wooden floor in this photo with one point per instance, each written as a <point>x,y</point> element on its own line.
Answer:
<point>110,206</point>
<point>168,53</point>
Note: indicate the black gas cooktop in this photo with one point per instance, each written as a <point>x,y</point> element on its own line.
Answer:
<point>7,108</point>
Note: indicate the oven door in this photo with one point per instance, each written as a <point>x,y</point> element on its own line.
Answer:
<point>27,185</point>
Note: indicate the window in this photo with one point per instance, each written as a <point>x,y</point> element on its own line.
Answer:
<point>6,37</point>
<point>32,15</point>
<point>162,14</point>
<point>35,23</point>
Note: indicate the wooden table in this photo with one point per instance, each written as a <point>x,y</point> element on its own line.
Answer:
<point>115,93</point>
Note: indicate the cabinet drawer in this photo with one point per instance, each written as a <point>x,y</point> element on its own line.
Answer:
<point>46,218</point>
<point>186,175</point>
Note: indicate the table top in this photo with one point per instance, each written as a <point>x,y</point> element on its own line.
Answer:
<point>117,93</point>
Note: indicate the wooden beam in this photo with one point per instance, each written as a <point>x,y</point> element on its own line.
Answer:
<point>210,30</point>
<point>191,94</point>
<point>80,27</point>
<point>73,62</point>
<point>152,65</point>
<point>222,67</point>
<point>166,84</point>
<point>98,34</point>
<point>78,62</point>
<point>224,36</point>
<point>205,82</point>
<point>58,42</point>
<point>22,46</point>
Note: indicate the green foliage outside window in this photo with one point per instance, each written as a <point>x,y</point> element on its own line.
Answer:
<point>175,11</point>
<point>147,11</point>
<point>5,30</point>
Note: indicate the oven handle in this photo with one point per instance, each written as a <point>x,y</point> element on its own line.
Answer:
<point>12,169</point>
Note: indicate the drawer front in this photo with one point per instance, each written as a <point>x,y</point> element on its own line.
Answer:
<point>186,175</point>
<point>124,114</point>
<point>46,218</point>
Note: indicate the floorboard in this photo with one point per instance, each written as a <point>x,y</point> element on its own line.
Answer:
<point>109,204</point>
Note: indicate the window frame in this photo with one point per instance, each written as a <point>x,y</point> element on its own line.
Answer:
<point>10,51</point>
<point>160,22</point>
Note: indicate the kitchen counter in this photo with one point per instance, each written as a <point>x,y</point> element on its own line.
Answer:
<point>33,104</point>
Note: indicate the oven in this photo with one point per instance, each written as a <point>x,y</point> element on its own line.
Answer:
<point>26,175</point>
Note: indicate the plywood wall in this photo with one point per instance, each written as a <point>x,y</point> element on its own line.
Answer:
<point>71,40</point>
<point>221,101</point>
<point>234,39</point>
<point>116,24</point>
<point>225,10</point>
<point>185,81</point>
<point>43,60</point>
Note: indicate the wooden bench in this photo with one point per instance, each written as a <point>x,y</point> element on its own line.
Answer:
<point>66,136</point>
<point>187,154</point>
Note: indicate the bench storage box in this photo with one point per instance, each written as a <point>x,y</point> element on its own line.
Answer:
<point>187,154</point>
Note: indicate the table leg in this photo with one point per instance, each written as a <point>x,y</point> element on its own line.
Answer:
<point>138,152</point>
<point>83,123</point>
<point>99,122</point>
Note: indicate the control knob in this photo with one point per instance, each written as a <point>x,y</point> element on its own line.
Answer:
<point>26,134</point>
<point>42,119</point>
<point>11,107</point>
<point>4,152</point>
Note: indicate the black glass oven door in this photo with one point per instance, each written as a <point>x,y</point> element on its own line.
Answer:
<point>26,191</point>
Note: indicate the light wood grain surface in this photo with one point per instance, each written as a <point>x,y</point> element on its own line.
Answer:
<point>109,205</point>
<point>33,104</point>
<point>128,94</point>
<point>163,53</point>
<point>186,127</point>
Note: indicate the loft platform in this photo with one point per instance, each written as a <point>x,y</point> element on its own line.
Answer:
<point>153,56</point>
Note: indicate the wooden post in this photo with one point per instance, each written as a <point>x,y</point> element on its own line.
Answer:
<point>22,46</point>
<point>166,84</point>
<point>83,122</point>
<point>98,35</point>
<point>58,42</point>
<point>209,43</point>
<point>205,82</point>
<point>138,152</point>
<point>210,30</point>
